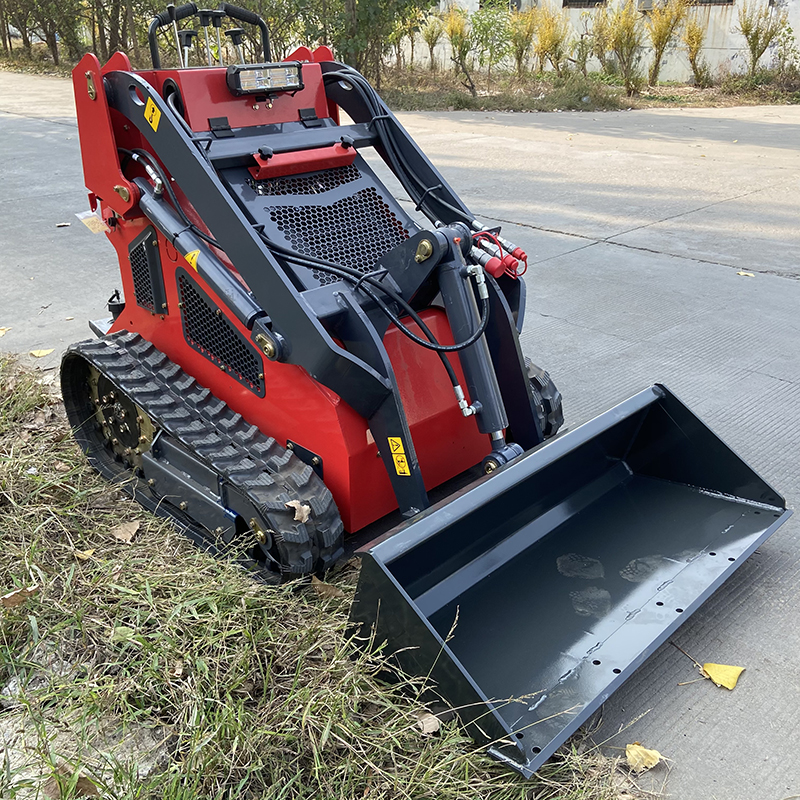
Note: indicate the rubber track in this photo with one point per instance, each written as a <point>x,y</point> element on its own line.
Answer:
<point>266,473</point>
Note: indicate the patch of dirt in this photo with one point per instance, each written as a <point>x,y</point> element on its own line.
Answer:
<point>41,750</point>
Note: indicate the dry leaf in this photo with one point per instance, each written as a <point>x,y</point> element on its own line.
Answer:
<point>42,353</point>
<point>427,723</point>
<point>746,274</point>
<point>69,318</point>
<point>125,532</point>
<point>60,466</point>
<point>3,331</point>
<point>722,674</point>
<point>301,512</point>
<point>18,596</point>
<point>640,758</point>
<point>177,670</point>
<point>325,589</point>
<point>83,786</point>
<point>83,555</point>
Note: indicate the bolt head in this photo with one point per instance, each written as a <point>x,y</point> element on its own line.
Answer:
<point>315,461</point>
<point>490,466</point>
<point>184,505</point>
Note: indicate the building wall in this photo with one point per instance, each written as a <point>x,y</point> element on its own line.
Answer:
<point>724,48</point>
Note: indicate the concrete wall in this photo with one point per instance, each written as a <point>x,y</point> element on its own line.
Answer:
<point>723,47</point>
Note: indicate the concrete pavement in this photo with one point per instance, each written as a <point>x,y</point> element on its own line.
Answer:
<point>638,224</point>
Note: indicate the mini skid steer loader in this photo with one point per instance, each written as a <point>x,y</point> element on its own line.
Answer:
<point>295,357</point>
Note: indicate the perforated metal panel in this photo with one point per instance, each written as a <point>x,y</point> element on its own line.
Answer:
<point>309,183</point>
<point>354,232</point>
<point>208,331</point>
<point>148,280</point>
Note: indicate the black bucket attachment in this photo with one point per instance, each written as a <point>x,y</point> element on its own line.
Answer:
<point>531,597</point>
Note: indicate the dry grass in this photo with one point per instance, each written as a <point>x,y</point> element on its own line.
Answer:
<point>257,691</point>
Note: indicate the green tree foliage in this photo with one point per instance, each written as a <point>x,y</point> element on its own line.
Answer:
<point>491,35</point>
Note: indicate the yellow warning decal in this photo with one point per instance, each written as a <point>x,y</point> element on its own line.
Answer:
<point>152,114</point>
<point>400,464</point>
<point>192,259</point>
<point>396,445</point>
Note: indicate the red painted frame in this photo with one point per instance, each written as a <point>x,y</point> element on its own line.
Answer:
<point>295,406</point>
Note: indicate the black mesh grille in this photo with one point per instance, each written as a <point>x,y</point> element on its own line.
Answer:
<point>354,232</point>
<point>312,183</point>
<point>213,335</point>
<point>142,285</point>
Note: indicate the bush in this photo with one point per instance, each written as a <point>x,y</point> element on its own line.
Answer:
<point>662,25</point>
<point>457,30</point>
<point>626,38</point>
<point>760,28</point>
<point>693,38</point>
<point>432,31</point>
<point>521,30</point>
<point>601,38</point>
<point>552,41</point>
<point>490,34</point>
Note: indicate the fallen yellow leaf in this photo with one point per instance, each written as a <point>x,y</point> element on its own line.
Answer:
<point>325,589</point>
<point>301,512</point>
<point>84,555</point>
<point>746,274</point>
<point>42,353</point>
<point>640,758</point>
<point>723,674</point>
<point>3,331</point>
<point>177,670</point>
<point>18,596</point>
<point>125,532</point>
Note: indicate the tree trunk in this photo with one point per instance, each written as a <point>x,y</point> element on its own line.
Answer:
<point>102,40</point>
<point>431,48</point>
<point>51,40</point>
<point>3,27</point>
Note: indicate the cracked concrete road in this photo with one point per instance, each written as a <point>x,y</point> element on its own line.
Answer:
<point>638,224</point>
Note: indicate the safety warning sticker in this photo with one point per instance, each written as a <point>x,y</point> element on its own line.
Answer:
<point>191,257</point>
<point>400,464</point>
<point>398,455</point>
<point>152,114</point>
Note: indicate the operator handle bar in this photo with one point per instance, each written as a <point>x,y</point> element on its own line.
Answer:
<point>190,9</point>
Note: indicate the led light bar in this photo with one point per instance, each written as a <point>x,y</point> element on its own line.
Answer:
<point>265,78</point>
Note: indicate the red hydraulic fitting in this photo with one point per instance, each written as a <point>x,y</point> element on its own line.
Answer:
<point>510,264</point>
<point>495,267</point>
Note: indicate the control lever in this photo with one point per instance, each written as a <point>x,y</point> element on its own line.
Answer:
<point>205,15</point>
<point>236,35</point>
<point>216,20</point>
<point>174,20</point>
<point>186,37</point>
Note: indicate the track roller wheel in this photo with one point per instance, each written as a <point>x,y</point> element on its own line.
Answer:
<point>548,399</point>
